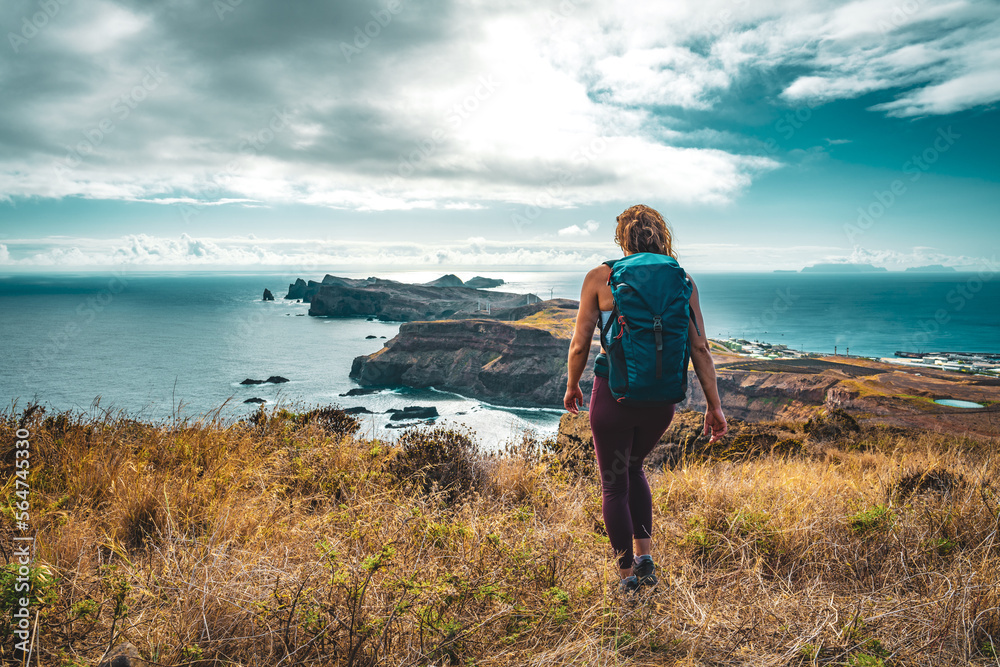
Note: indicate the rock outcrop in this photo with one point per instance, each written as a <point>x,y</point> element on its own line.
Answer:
<point>305,290</point>
<point>447,280</point>
<point>297,290</point>
<point>274,379</point>
<point>413,412</point>
<point>392,301</point>
<point>480,282</point>
<point>267,295</point>
<point>505,363</point>
<point>361,391</point>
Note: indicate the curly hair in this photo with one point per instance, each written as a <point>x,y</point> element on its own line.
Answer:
<point>643,229</point>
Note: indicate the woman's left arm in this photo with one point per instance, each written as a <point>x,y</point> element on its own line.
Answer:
<point>583,335</point>
<point>704,367</point>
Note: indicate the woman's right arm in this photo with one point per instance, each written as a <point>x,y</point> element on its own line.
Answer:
<point>704,367</point>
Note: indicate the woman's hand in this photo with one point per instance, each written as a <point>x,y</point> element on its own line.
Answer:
<point>573,399</point>
<point>715,423</point>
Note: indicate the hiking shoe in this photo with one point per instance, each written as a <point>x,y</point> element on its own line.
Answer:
<point>628,585</point>
<point>643,570</point>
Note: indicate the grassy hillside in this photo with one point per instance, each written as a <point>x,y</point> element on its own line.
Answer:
<point>291,539</point>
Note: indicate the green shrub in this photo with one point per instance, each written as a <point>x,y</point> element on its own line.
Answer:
<point>870,520</point>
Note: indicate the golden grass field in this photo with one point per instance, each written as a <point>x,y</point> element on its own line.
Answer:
<point>293,539</point>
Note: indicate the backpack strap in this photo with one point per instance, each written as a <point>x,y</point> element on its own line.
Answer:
<point>694,320</point>
<point>611,265</point>
<point>606,328</point>
<point>614,309</point>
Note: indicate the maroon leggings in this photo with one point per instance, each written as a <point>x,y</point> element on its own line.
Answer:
<point>623,436</point>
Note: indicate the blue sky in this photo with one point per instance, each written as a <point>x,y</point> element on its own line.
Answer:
<point>482,134</point>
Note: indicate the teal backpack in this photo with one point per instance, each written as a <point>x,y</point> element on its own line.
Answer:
<point>646,362</point>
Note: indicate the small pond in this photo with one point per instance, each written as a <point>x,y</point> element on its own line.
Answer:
<point>954,403</point>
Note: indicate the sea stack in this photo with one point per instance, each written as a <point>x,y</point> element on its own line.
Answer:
<point>267,295</point>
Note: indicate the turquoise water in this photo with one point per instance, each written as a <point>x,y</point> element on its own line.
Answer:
<point>159,345</point>
<point>955,403</point>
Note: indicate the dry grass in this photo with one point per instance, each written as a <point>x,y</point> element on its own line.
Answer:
<point>290,540</point>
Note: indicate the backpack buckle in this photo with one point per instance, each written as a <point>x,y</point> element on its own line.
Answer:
<point>657,324</point>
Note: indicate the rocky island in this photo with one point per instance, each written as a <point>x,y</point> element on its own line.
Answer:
<point>446,297</point>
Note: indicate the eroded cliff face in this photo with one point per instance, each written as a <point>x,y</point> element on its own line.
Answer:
<point>504,363</point>
<point>766,396</point>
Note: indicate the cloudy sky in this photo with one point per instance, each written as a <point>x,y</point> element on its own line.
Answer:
<point>360,134</point>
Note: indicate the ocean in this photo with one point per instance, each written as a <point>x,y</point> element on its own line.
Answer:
<point>169,346</point>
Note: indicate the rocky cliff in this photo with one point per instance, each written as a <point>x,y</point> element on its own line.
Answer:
<point>305,290</point>
<point>521,363</point>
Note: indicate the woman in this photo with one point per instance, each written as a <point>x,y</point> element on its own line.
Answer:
<point>624,435</point>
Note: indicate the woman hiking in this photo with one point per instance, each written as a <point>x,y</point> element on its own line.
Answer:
<point>651,324</point>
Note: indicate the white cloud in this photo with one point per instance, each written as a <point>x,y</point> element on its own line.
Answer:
<point>330,255</point>
<point>157,252</point>
<point>970,90</point>
<point>502,106</point>
<point>919,256</point>
<point>588,228</point>
<point>822,89</point>
<point>512,119</point>
<point>952,68</point>
<point>672,76</point>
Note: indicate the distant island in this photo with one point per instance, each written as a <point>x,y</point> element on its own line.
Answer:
<point>933,268</point>
<point>394,301</point>
<point>477,282</point>
<point>843,267</point>
<point>846,267</point>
